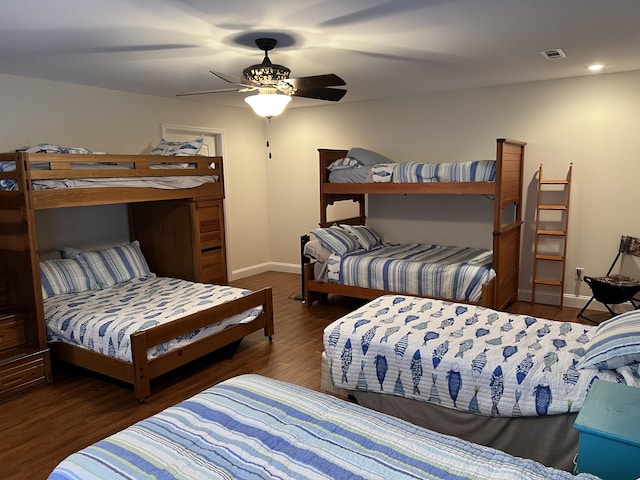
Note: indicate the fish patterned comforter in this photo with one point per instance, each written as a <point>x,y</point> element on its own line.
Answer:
<point>464,357</point>
<point>416,269</point>
<point>103,320</point>
<point>252,427</point>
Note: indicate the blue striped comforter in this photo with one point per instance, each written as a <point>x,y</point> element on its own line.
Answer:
<point>416,269</point>
<point>252,427</point>
<point>415,172</point>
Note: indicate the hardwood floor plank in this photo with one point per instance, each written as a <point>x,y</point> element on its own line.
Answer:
<point>42,427</point>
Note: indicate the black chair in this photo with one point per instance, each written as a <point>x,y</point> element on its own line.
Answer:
<point>614,289</point>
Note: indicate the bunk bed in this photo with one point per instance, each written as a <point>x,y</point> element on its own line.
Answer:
<point>512,382</point>
<point>505,188</point>
<point>33,181</point>
<point>253,427</point>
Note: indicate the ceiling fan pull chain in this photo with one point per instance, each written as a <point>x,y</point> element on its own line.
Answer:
<point>268,135</point>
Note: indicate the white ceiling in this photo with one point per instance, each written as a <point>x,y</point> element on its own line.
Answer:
<point>381,48</point>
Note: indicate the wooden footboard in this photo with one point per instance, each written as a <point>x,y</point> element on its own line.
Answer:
<point>140,372</point>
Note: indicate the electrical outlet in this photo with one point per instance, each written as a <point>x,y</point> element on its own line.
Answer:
<point>579,272</point>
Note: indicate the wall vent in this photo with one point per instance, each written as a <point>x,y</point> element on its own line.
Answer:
<point>553,53</point>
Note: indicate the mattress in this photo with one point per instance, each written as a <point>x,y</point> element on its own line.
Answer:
<point>165,182</point>
<point>252,427</point>
<point>416,269</point>
<point>464,357</point>
<point>417,172</point>
<point>103,320</point>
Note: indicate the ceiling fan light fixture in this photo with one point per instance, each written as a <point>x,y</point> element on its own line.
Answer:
<point>268,104</point>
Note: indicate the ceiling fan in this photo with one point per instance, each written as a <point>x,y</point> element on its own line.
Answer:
<point>268,78</point>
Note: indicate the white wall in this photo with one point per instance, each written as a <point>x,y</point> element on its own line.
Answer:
<point>36,111</point>
<point>590,121</point>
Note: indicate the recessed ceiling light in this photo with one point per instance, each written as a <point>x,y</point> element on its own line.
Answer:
<point>596,67</point>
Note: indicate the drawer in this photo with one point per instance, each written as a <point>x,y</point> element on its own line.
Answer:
<point>11,331</point>
<point>209,223</point>
<point>24,372</point>
<point>212,269</point>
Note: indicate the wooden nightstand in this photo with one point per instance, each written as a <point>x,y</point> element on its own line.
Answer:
<point>609,426</point>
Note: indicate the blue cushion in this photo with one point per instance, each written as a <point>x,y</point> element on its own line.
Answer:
<point>65,275</point>
<point>367,157</point>
<point>114,265</point>
<point>367,237</point>
<point>615,343</point>
<point>178,149</point>
<point>337,240</point>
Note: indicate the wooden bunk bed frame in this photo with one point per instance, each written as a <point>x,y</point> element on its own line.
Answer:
<point>25,362</point>
<point>507,220</point>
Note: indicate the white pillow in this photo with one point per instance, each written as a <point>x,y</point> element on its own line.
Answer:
<point>178,149</point>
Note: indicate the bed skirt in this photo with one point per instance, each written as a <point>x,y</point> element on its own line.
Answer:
<point>550,440</point>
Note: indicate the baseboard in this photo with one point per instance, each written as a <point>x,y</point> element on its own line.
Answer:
<point>265,267</point>
<point>573,301</point>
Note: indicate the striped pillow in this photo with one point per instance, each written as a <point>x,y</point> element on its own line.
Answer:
<point>115,265</point>
<point>615,343</point>
<point>367,237</point>
<point>65,275</point>
<point>343,163</point>
<point>337,240</point>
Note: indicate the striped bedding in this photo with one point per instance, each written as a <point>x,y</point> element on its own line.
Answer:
<point>465,357</point>
<point>416,269</point>
<point>252,427</point>
<point>415,172</point>
<point>167,183</point>
<point>103,320</point>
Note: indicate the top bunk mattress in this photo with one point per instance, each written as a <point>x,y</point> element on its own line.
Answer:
<point>167,182</point>
<point>415,172</point>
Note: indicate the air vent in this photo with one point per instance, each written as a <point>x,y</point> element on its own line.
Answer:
<point>553,54</point>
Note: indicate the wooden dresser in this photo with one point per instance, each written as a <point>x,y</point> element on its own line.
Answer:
<point>182,238</point>
<point>24,356</point>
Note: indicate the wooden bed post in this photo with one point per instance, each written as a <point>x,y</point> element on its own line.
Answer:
<point>507,225</point>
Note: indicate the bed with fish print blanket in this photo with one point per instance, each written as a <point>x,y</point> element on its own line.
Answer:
<point>468,362</point>
<point>253,427</point>
<point>139,329</point>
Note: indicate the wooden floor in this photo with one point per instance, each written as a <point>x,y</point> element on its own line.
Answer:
<point>40,428</point>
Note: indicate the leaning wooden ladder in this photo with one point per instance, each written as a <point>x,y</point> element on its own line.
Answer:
<point>551,233</point>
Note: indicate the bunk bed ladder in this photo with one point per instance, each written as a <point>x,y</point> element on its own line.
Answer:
<point>552,221</point>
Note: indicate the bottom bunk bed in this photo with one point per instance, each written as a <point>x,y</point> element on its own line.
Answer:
<point>104,311</point>
<point>512,382</point>
<point>355,261</point>
<point>252,427</point>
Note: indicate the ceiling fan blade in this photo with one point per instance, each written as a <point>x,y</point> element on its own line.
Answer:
<point>207,92</point>
<point>234,79</point>
<point>315,81</point>
<point>330,94</point>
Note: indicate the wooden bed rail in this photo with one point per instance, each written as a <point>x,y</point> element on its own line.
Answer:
<point>53,166</point>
